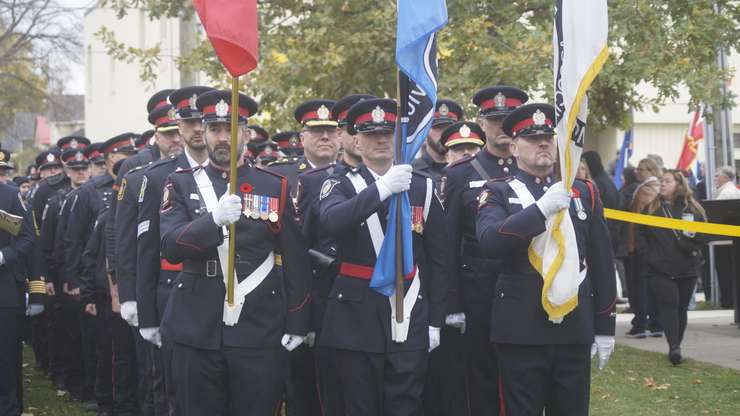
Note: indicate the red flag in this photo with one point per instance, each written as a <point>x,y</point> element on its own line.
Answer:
<point>691,141</point>
<point>232,28</point>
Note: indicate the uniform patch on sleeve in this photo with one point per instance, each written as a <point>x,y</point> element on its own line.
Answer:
<point>327,187</point>
<point>142,190</point>
<point>122,189</point>
<point>166,199</point>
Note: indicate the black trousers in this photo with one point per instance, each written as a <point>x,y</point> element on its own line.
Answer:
<point>331,395</point>
<point>229,381</point>
<point>125,377</point>
<point>103,353</point>
<point>57,335</point>
<point>40,336</point>
<point>554,378</point>
<point>71,345</point>
<point>386,384</point>
<point>445,391</point>
<point>301,388</point>
<point>672,299</point>
<point>165,361</point>
<point>9,362</point>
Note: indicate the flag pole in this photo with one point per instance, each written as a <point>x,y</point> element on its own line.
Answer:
<point>232,186</point>
<point>399,239</point>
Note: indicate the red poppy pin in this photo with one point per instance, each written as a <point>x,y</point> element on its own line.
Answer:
<point>246,188</point>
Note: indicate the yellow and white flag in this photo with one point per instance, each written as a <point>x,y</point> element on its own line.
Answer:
<point>580,50</point>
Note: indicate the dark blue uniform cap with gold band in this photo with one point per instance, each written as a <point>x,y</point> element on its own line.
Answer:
<point>341,108</point>
<point>289,143</point>
<point>499,101</point>
<point>215,106</point>
<point>48,159</point>
<point>447,112</point>
<point>257,133</point>
<point>5,159</point>
<point>163,118</point>
<point>123,143</point>
<point>184,100</point>
<point>74,142</point>
<point>530,120</point>
<point>75,159</point>
<point>371,115</point>
<point>314,113</point>
<point>158,100</point>
<point>465,132</point>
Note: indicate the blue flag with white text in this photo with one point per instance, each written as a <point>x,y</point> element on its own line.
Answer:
<point>416,57</point>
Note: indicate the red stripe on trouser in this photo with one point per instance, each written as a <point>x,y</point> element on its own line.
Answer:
<point>501,401</point>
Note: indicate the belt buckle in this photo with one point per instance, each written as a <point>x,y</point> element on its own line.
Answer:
<point>211,268</point>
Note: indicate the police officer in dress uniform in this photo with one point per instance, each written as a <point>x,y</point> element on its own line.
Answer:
<point>381,364</point>
<point>319,139</point>
<point>155,276</point>
<point>444,392</point>
<point>463,142</point>
<point>473,273</point>
<point>228,358</point>
<point>433,155</point>
<point>168,141</point>
<point>256,144</point>
<point>544,365</point>
<point>6,168</point>
<point>350,156</point>
<point>16,242</point>
<point>96,158</point>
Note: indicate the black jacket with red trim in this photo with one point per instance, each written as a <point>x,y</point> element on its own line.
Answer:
<point>505,230</point>
<point>279,304</point>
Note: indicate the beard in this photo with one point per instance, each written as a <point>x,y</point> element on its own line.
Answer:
<point>220,155</point>
<point>437,146</point>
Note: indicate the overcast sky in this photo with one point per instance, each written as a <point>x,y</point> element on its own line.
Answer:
<point>76,83</point>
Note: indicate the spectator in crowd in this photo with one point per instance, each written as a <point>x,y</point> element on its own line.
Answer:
<point>583,173</point>
<point>657,159</point>
<point>724,182</point>
<point>670,258</point>
<point>644,193</point>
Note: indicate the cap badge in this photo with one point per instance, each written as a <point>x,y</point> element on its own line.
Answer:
<point>268,150</point>
<point>539,118</point>
<point>323,112</point>
<point>222,109</point>
<point>464,131</point>
<point>50,157</point>
<point>293,140</point>
<point>73,144</point>
<point>499,100</point>
<point>444,110</point>
<point>172,113</point>
<point>253,133</point>
<point>191,102</point>
<point>79,156</point>
<point>2,156</point>
<point>378,114</point>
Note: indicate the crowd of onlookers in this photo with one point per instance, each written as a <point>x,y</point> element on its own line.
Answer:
<point>660,270</point>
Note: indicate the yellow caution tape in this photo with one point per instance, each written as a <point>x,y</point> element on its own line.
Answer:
<point>662,222</point>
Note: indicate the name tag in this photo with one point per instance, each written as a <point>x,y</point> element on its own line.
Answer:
<point>195,197</point>
<point>515,201</point>
<point>476,184</point>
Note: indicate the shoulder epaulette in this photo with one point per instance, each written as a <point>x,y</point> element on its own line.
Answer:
<point>268,171</point>
<point>138,168</point>
<point>187,170</point>
<point>460,162</point>
<point>162,162</point>
<point>319,169</point>
<point>283,161</point>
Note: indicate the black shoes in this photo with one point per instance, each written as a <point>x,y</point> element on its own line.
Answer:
<point>636,333</point>
<point>674,355</point>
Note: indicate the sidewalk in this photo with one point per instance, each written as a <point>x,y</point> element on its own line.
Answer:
<point>710,337</point>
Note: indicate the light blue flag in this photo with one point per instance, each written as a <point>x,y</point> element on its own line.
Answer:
<point>416,56</point>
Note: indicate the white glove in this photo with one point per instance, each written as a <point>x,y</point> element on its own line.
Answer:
<point>34,309</point>
<point>291,342</point>
<point>310,339</point>
<point>555,199</point>
<point>396,180</point>
<point>604,345</point>
<point>129,313</point>
<point>152,335</point>
<point>433,338</point>
<point>228,211</point>
<point>2,258</point>
<point>456,320</point>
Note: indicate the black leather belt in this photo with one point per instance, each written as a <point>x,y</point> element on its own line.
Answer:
<point>203,268</point>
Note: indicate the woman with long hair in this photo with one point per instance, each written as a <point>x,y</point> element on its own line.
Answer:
<point>670,258</point>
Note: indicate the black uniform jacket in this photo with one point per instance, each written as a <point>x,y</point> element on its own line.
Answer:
<point>359,318</point>
<point>150,274</point>
<point>279,305</point>
<point>14,249</point>
<point>91,198</point>
<point>505,230</point>
<point>290,168</point>
<point>324,268</point>
<point>461,185</point>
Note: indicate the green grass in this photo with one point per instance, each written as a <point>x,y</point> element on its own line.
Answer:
<point>634,383</point>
